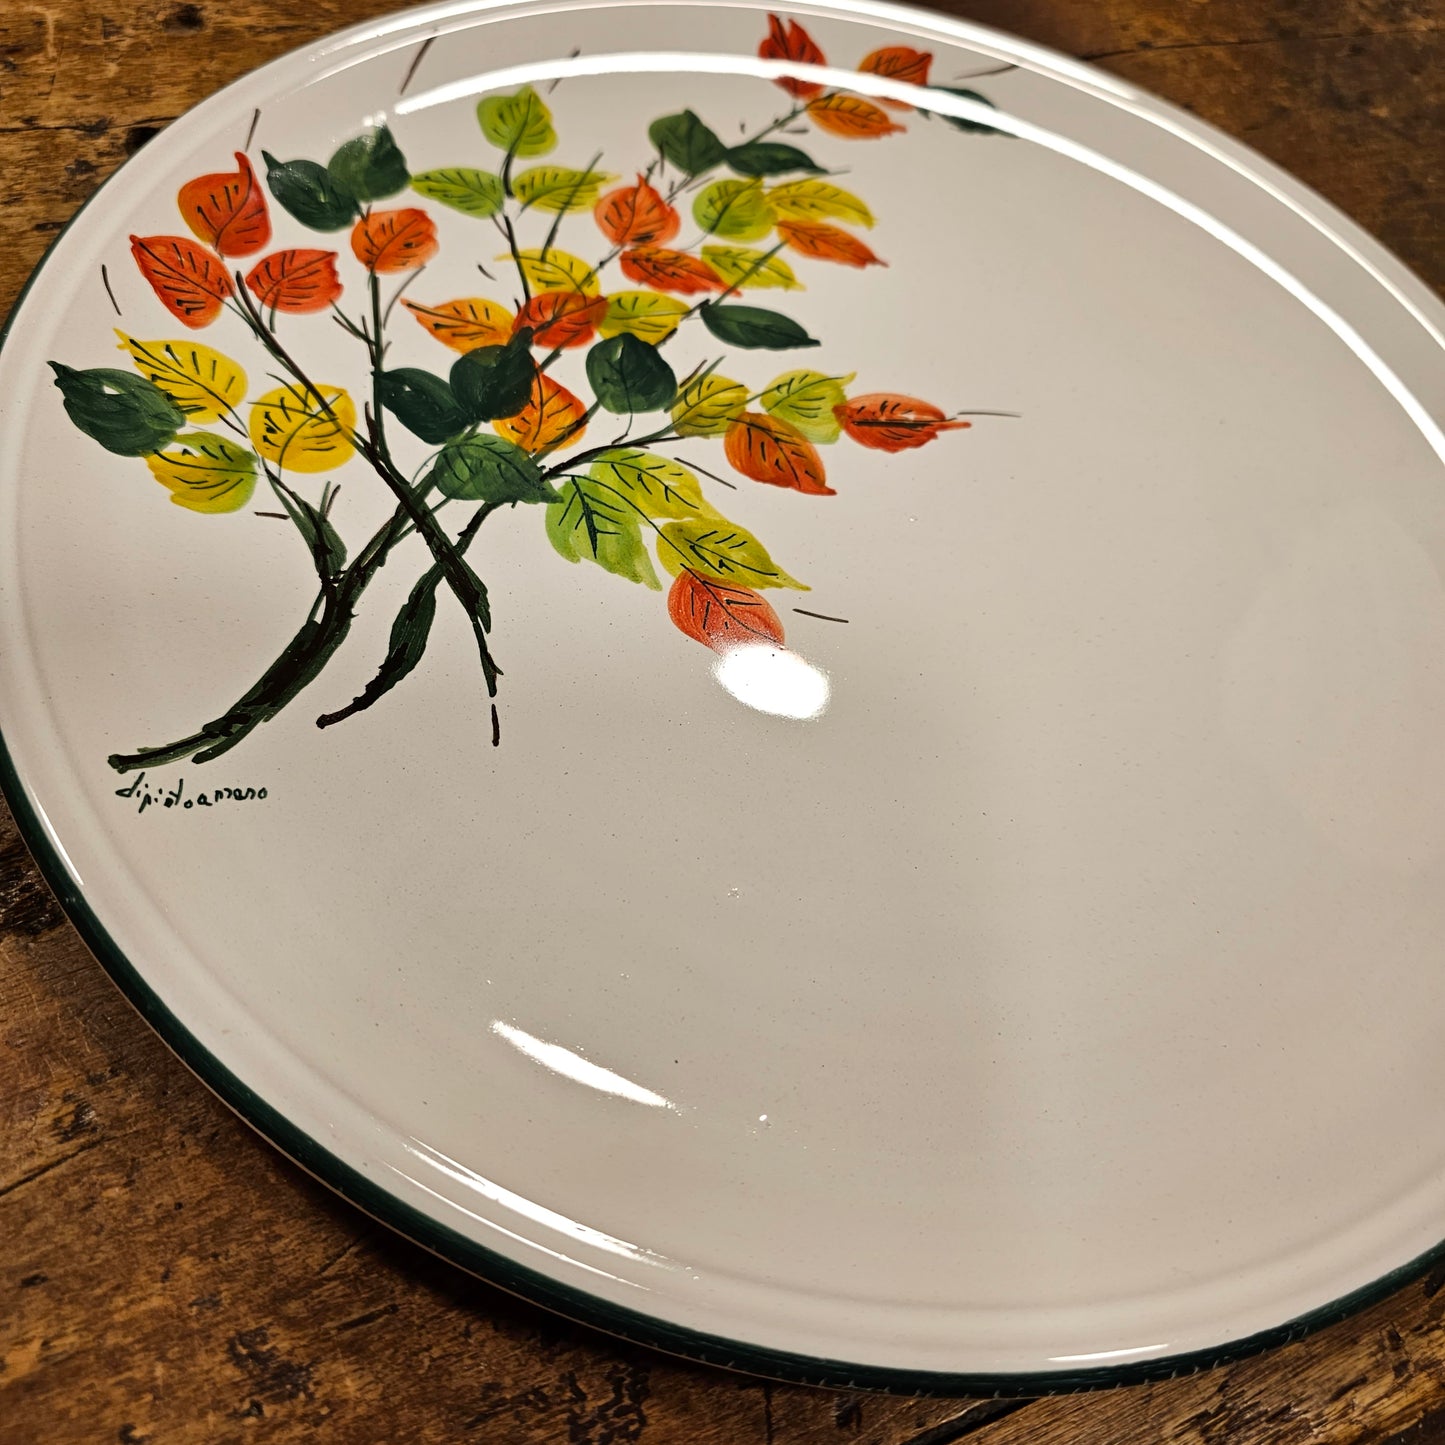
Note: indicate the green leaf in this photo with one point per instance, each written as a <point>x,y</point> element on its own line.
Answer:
<point>205,473</point>
<point>519,124</point>
<point>754,328</point>
<point>734,210</point>
<point>422,403</point>
<point>806,399</point>
<point>559,189</point>
<point>596,525</point>
<point>685,142</point>
<point>708,406</point>
<point>316,530</point>
<point>473,192</point>
<point>628,376</point>
<point>715,547</point>
<point>811,200</point>
<point>769,158</point>
<point>970,127</point>
<point>656,486</point>
<point>125,413</point>
<point>489,469</point>
<point>494,382</point>
<point>370,167</point>
<point>309,192</point>
<point>750,270</point>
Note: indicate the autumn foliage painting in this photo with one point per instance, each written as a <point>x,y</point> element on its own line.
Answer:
<point>610,266</point>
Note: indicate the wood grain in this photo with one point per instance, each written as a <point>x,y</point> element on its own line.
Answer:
<point>166,1277</point>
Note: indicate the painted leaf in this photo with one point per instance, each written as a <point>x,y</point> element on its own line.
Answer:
<point>813,200</point>
<point>769,449</point>
<point>390,241</point>
<point>489,469</point>
<point>593,524</point>
<point>462,188</point>
<point>750,270</point>
<point>645,314</point>
<point>806,400</point>
<point>203,383</point>
<point>422,403</point>
<point>888,422</point>
<point>970,127</point>
<point>205,473</point>
<point>769,158</point>
<point>295,429</point>
<point>721,616</point>
<point>298,281</point>
<point>558,189</point>
<point>754,328</point>
<point>309,192</point>
<point>562,318</point>
<point>636,215</point>
<point>823,242</point>
<point>227,210</point>
<point>554,270</point>
<point>898,62</point>
<point>466,324</point>
<point>716,548</point>
<point>627,376</point>
<point>520,124</point>
<point>370,167</point>
<point>670,271</point>
<point>551,417</point>
<point>708,406</point>
<point>492,382</point>
<point>792,42</point>
<point>657,486</point>
<point>127,414</point>
<point>191,283</point>
<point>685,142</point>
<point>734,210</point>
<point>851,117</point>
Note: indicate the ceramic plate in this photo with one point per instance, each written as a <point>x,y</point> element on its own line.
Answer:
<point>776,677</point>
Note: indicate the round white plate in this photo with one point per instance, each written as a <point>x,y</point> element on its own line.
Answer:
<point>1010,962</point>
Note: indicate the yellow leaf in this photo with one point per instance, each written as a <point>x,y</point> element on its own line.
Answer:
<point>467,324</point>
<point>813,200</point>
<point>807,399</point>
<point>748,270</point>
<point>655,485</point>
<point>293,429</point>
<point>559,189</point>
<point>714,547</point>
<point>205,473</point>
<point>519,123</point>
<point>202,383</point>
<point>708,406</point>
<point>554,270</point>
<point>647,315</point>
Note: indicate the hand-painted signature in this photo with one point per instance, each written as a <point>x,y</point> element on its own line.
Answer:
<point>144,795</point>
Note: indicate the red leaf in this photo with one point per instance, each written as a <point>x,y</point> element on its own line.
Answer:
<point>562,318</point>
<point>792,43</point>
<point>898,62</point>
<point>851,117</point>
<point>888,422</point>
<point>671,271</point>
<point>227,210</point>
<point>721,616</point>
<point>827,243</point>
<point>190,281</point>
<point>768,449</point>
<point>636,216</point>
<point>390,241</point>
<point>296,281</point>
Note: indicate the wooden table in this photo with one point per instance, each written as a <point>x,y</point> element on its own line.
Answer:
<point>166,1277</point>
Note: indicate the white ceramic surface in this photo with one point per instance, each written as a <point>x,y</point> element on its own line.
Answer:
<point>1062,989</point>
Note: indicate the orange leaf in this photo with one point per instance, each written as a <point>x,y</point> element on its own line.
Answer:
<point>191,283</point>
<point>898,62</point>
<point>227,210</point>
<point>721,616</point>
<point>827,243</point>
<point>562,318</point>
<point>769,449</point>
<point>888,422</point>
<point>792,43</point>
<point>551,417</point>
<point>671,271</point>
<point>851,117</point>
<point>636,216</point>
<point>467,324</point>
<point>296,281</point>
<point>388,241</point>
